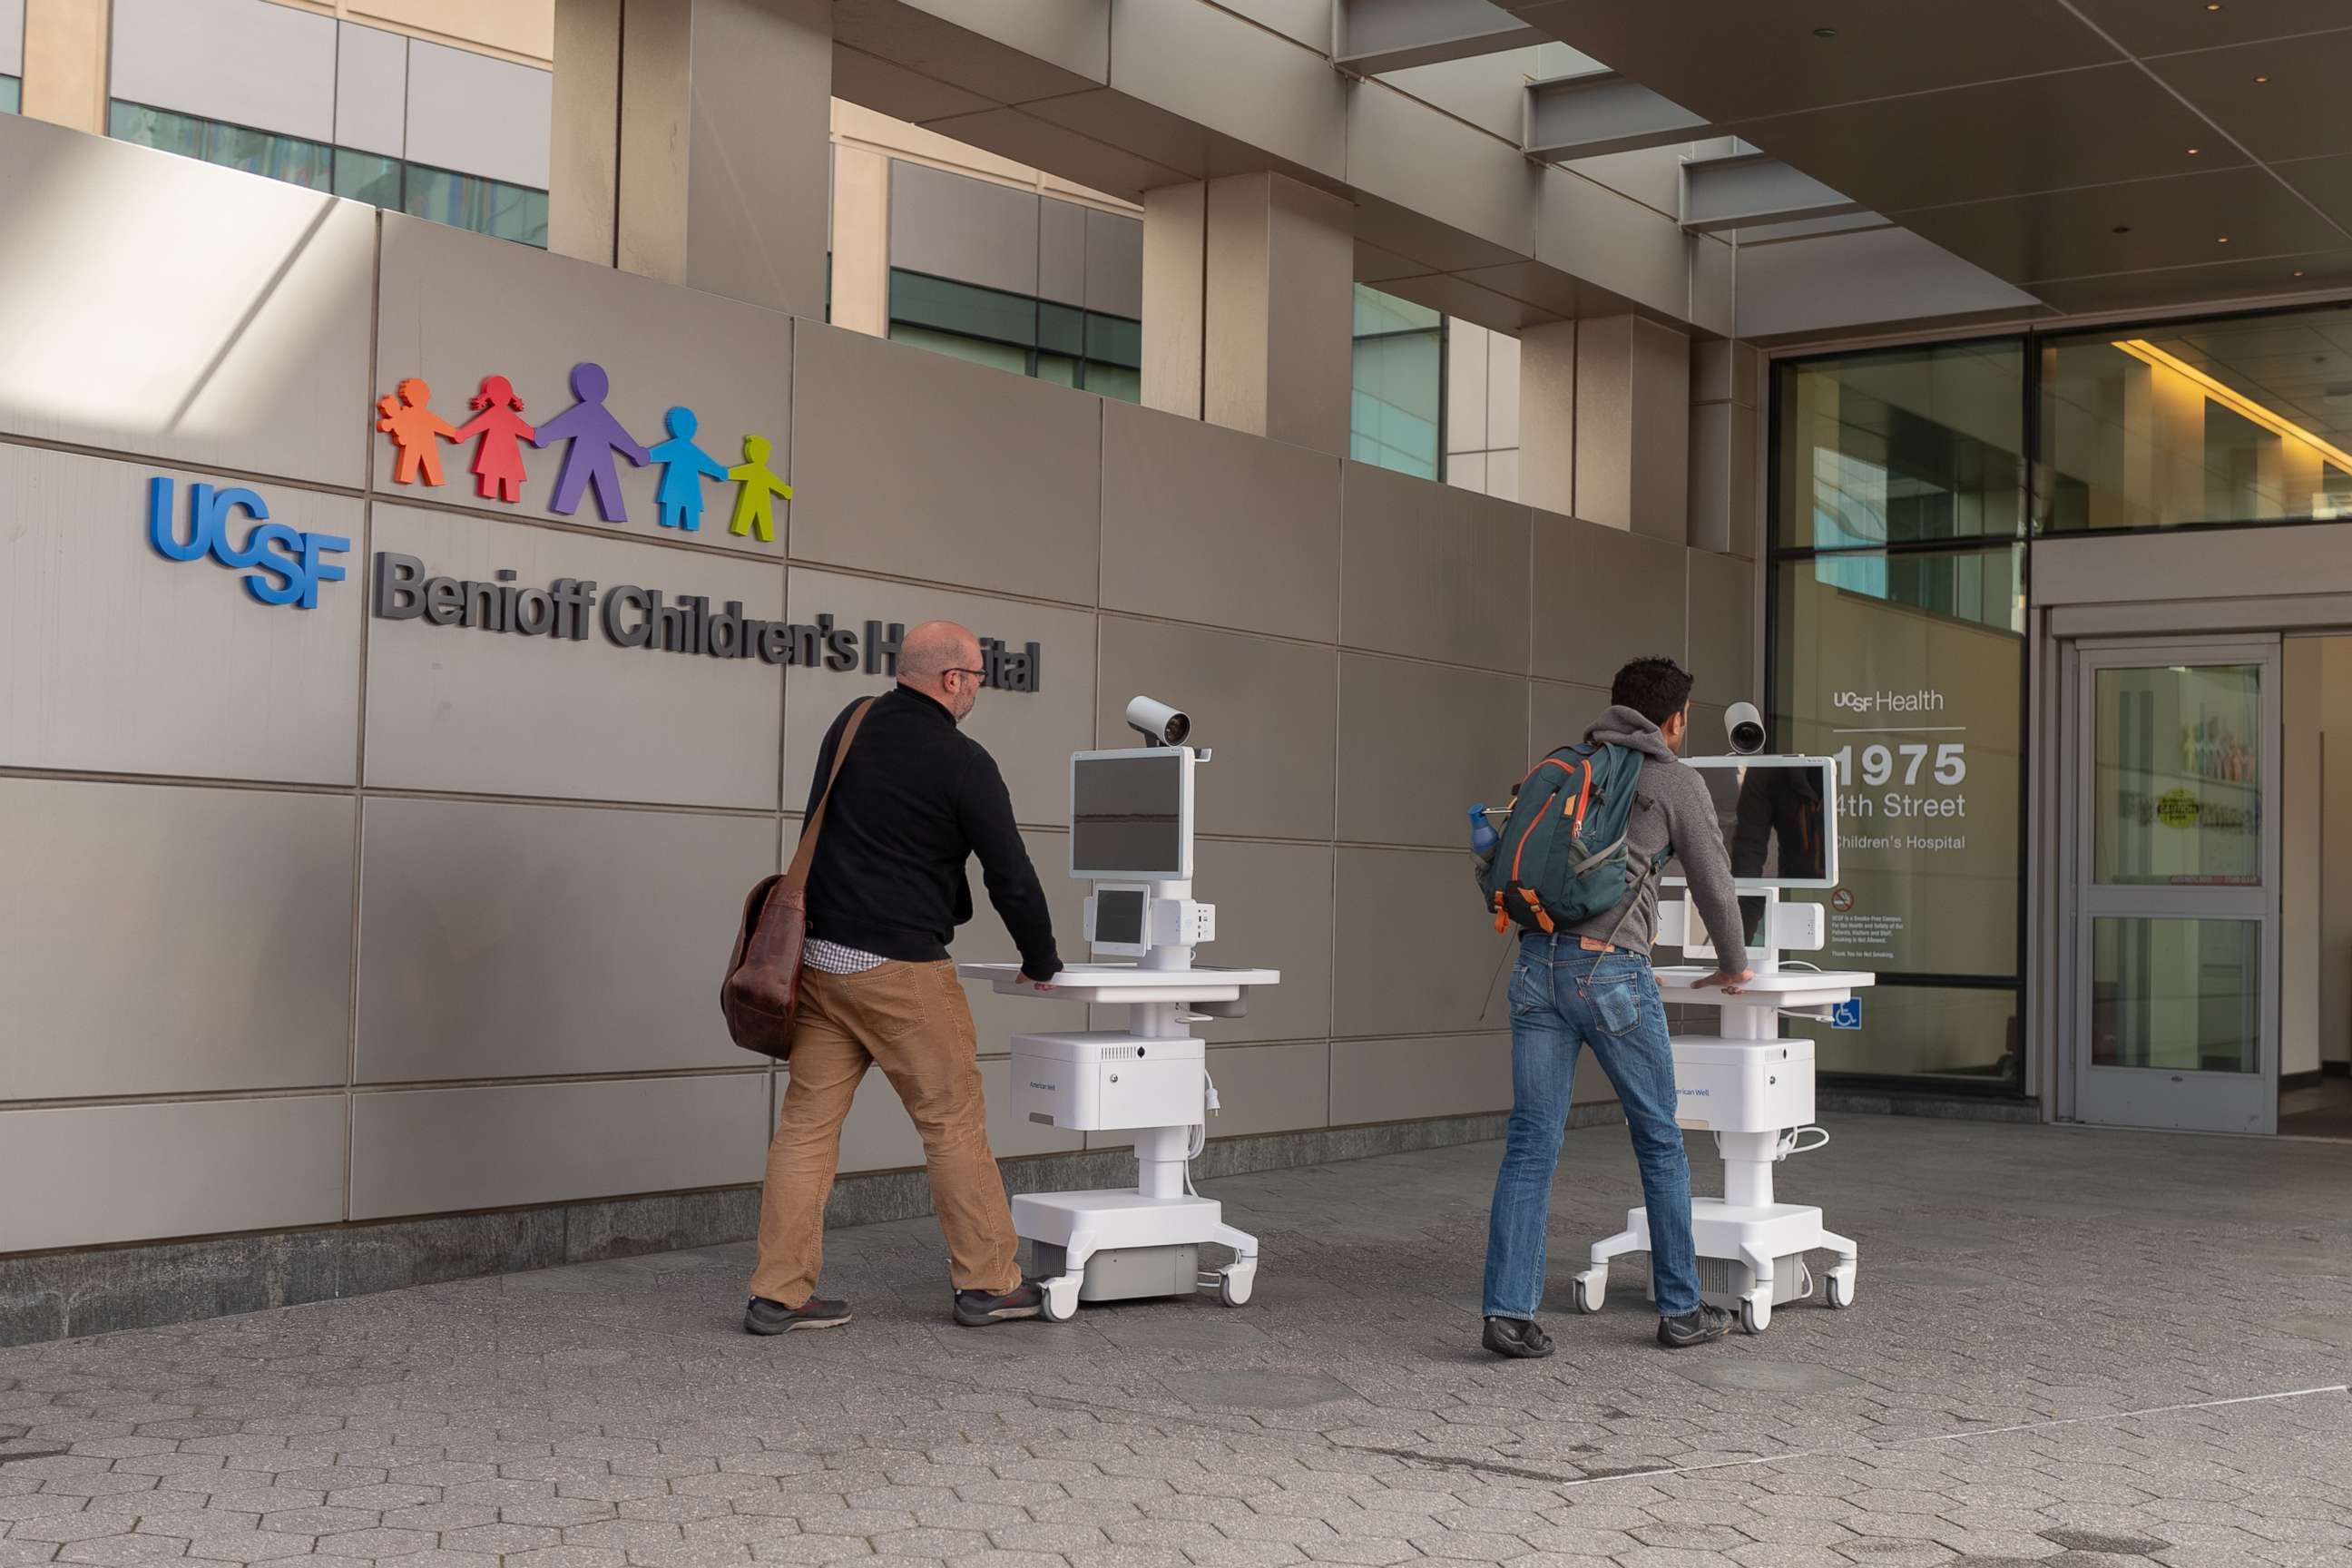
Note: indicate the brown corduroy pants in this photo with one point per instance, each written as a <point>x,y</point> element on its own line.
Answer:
<point>913,1021</point>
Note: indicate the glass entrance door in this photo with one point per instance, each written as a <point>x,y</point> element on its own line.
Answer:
<point>2175,887</point>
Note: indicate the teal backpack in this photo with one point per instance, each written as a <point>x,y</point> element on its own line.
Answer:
<point>1563,860</point>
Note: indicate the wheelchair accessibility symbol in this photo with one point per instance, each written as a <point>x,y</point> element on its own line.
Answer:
<point>1846,1014</point>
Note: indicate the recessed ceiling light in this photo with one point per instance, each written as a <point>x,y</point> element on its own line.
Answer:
<point>2298,272</point>
<point>1825,32</point>
<point>2120,228</point>
<point>2260,78</point>
<point>2192,151</point>
<point>2223,240</point>
<point>2214,5</point>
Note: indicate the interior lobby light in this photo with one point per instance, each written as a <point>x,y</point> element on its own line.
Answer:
<point>2236,402</point>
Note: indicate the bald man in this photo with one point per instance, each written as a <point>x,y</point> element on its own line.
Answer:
<point>916,798</point>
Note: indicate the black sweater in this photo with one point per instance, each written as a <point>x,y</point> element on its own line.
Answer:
<point>917,797</point>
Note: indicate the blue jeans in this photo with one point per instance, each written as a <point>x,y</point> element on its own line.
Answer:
<point>1562,997</point>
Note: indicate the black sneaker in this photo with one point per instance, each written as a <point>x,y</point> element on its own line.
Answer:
<point>978,1309</point>
<point>766,1317</point>
<point>1703,1327</point>
<point>1522,1338</point>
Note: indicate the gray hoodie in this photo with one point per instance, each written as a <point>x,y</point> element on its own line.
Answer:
<point>1670,808</point>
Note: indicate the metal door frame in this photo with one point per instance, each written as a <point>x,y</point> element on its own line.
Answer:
<point>2241,1102</point>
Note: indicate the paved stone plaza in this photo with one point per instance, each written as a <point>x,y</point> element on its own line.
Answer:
<point>2072,1347</point>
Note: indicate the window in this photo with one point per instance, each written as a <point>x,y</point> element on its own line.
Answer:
<point>2245,420</point>
<point>470,201</point>
<point>1397,404</point>
<point>1040,338</point>
<point>12,95</point>
<point>286,158</point>
<point>1897,647</point>
<point>463,201</point>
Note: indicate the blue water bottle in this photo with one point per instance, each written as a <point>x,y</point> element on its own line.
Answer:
<point>1483,837</point>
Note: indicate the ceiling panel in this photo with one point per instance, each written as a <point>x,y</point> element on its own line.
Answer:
<point>2034,133</point>
<point>2166,26</point>
<point>2215,280</point>
<point>2326,180</point>
<point>2177,221</point>
<point>2298,113</point>
<point>1738,59</point>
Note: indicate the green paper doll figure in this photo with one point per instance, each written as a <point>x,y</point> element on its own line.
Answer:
<point>755,507</point>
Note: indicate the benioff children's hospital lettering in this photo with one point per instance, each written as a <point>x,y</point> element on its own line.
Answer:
<point>592,438</point>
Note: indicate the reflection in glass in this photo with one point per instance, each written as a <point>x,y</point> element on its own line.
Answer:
<point>2177,795</point>
<point>1945,1036</point>
<point>369,177</point>
<point>1040,338</point>
<point>12,95</point>
<point>288,158</point>
<point>2246,420</point>
<point>2176,995</point>
<point>484,206</point>
<point>1395,414</point>
<point>1902,445</point>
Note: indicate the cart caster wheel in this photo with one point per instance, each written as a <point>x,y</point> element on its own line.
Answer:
<point>1061,1303</point>
<point>1755,1315</point>
<point>1233,1286</point>
<point>1584,1293</point>
<point>1840,1287</point>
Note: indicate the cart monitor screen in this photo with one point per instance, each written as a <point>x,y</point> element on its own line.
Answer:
<point>1778,816</point>
<point>1131,815</point>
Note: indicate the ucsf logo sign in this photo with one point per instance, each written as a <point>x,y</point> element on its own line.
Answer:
<point>281,564</point>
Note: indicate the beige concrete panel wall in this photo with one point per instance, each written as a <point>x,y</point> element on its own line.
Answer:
<point>861,240</point>
<point>143,1172</point>
<point>245,353</point>
<point>231,909</point>
<point>1267,707</point>
<point>1209,525</point>
<point>88,695</point>
<point>464,709</point>
<point>1406,1080</point>
<point>996,1018</point>
<point>1428,571</point>
<point>921,466</point>
<point>1269,898</point>
<point>1558,714</point>
<point>1273,93</point>
<point>585,140</point>
<point>1415,956</point>
<point>1436,165</point>
<point>1030,733</point>
<point>1175,322</point>
<point>503,941</point>
<point>1722,627</point>
<point>1623,594</point>
<point>449,314</point>
<point>1270,1089</point>
<point>434,1151</point>
<point>1419,743</point>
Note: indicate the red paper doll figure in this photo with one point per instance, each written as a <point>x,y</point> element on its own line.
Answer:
<point>498,459</point>
<point>417,430</point>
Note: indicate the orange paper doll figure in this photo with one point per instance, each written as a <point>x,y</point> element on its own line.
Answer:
<point>417,430</point>
<point>755,507</point>
<point>497,458</point>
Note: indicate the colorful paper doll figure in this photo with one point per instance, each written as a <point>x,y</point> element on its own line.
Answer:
<point>595,435</point>
<point>497,454</point>
<point>415,429</point>
<point>755,508</point>
<point>684,467</point>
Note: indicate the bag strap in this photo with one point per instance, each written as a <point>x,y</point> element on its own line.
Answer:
<point>803,857</point>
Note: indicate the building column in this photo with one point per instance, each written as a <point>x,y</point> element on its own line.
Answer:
<point>691,143</point>
<point>65,62</point>
<point>1248,307</point>
<point>861,241</point>
<point>1548,417</point>
<point>1727,419</point>
<point>1604,422</point>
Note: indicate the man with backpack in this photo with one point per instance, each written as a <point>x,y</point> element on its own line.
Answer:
<point>1577,871</point>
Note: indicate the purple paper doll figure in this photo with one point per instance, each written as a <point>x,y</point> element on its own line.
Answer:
<point>595,435</point>
<point>684,467</point>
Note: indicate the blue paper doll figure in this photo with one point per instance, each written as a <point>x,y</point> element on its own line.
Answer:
<point>595,435</point>
<point>684,467</point>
